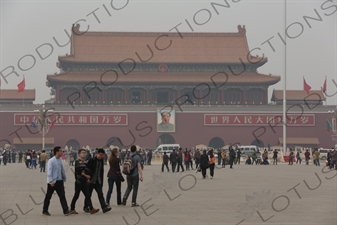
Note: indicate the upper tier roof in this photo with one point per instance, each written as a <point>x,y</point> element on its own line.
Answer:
<point>114,47</point>
<point>298,95</point>
<point>13,94</point>
<point>177,77</point>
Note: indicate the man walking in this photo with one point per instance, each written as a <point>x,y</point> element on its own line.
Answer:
<point>231,157</point>
<point>197,158</point>
<point>55,180</point>
<point>307,157</point>
<point>165,163</point>
<point>219,157</point>
<point>96,166</point>
<point>20,157</point>
<point>275,153</point>
<point>179,160</point>
<point>82,182</point>
<point>133,178</point>
<point>173,160</point>
<point>43,160</point>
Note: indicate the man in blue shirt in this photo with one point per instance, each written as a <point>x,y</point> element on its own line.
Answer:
<point>55,180</point>
<point>133,179</point>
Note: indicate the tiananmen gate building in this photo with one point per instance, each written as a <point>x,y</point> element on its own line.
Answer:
<point>124,88</point>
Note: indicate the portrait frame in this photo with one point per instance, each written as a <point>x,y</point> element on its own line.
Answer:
<point>169,128</point>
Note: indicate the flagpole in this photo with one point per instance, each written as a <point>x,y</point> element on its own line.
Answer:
<point>326,100</point>
<point>285,82</point>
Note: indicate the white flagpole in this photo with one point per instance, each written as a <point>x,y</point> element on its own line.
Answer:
<point>285,82</point>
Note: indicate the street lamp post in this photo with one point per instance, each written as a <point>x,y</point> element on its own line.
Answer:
<point>43,122</point>
<point>334,124</point>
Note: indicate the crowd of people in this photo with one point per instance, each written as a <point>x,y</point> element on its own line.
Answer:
<point>89,176</point>
<point>89,169</point>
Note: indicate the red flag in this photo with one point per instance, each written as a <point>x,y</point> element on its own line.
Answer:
<point>306,86</point>
<point>22,85</point>
<point>324,86</point>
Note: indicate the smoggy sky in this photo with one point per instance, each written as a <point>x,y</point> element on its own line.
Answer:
<point>310,50</point>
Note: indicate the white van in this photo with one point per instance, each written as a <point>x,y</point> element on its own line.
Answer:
<point>323,153</point>
<point>248,149</point>
<point>168,148</point>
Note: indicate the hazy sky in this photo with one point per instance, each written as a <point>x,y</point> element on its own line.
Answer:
<point>311,46</point>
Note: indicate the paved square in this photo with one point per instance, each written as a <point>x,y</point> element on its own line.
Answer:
<point>270,194</point>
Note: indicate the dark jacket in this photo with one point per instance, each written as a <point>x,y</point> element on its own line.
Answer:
<point>204,161</point>
<point>173,157</point>
<point>165,159</point>
<point>114,167</point>
<point>92,167</point>
<point>79,167</point>
<point>232,154</point>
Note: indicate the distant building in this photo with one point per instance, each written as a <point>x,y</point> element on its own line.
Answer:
<point>160,68</point>
<point>14,97</point>
<point>113,86</point>
<point>298,97</point>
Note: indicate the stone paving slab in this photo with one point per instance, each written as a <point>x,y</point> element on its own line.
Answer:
<point>244,195</point>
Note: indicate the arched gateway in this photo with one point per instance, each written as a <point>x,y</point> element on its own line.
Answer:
<point>165,139</point>
<point>216,142</point>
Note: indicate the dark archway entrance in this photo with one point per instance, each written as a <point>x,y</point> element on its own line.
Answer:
<point>114,141</point>
<point>258,143</point>
<point>74,144</point>
<point>216,142</point>
<point>165,139</point>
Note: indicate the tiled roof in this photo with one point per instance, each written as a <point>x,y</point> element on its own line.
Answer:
<point>35,140</point>
<point>109,47</point>
<point>306,141</point>
<point>6,94</point>
<point>148,77</point>
<point>298,95</point>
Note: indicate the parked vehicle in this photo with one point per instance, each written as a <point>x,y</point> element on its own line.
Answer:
<point>168,148</point>
<point>323,153</point>
<point>248,149</point>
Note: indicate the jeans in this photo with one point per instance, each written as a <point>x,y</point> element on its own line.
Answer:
<point>197,162</point>
<point>99,190</point>
<point>111,181</point>
<point>187,165</point>
<point>162,167</point>
<point>299,160</point>
<point>180,165</point>
<point>133,183</point>
<point>231,161</point>
<point>174,165</point>
<point>43,166</point>
<point>84,187</point>
<point>28,162</point>
<point>59,188</point>
<point>33,163</point>
<point>203,171</point>
<point>211,169</point>
<point>317,163</point>
<point>275,161</point>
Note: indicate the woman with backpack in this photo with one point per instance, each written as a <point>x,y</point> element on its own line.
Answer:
<point>114,176</point>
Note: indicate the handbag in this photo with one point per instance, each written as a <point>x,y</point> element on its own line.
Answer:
<point>121,177</point>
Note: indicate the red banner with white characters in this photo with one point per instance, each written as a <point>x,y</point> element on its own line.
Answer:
<point>258,119</point>
<point>75,119</point>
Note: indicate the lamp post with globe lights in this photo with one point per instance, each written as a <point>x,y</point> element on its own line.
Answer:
<point>42,121</point>
<point>334,124</point>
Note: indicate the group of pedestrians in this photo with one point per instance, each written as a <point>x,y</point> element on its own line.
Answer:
<point>89,176</point>
<point>9,156</point>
